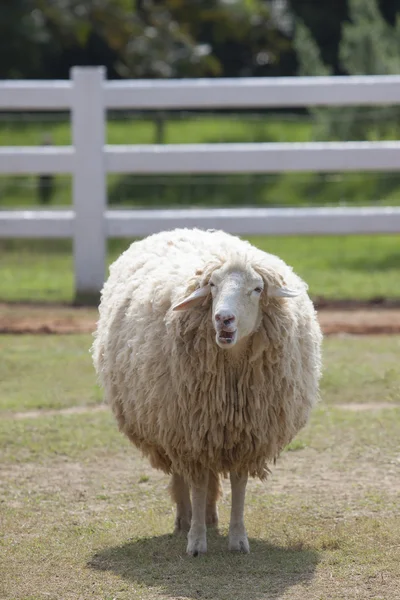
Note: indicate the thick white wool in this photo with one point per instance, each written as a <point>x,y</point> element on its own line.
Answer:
<point>186,403</point>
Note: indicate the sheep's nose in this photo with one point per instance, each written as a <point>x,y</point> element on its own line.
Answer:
<point>226,318</point>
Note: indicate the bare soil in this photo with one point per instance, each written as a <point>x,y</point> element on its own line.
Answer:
<point>335,318</point>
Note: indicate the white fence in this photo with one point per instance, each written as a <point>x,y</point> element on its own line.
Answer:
<point>88,96</point>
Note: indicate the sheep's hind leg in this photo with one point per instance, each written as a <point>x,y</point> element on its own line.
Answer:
<point>197,536</point>
<point>213,494</point>
<point>179,490</point>
<point>237,532</point>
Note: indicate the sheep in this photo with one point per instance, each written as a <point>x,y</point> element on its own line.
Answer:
<point>208,350</point>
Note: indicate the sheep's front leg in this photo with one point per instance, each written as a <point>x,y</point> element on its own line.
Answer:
<point>213,494</point>
<point>179,490</point>
<point>237,532</point>
<point>197,536</point>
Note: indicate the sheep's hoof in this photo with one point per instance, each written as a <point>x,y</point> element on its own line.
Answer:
<point>239,543</point>
<point>196,547</point>
<point>197,543</point>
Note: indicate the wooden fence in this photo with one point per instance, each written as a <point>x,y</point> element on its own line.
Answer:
<point>88,96</point>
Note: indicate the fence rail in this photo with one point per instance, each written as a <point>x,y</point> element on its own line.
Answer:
<point>245,221</point>
<point>246,92</point>
<point>88,96</point>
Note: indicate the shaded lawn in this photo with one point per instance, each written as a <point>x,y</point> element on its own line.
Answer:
<point>349,267</point>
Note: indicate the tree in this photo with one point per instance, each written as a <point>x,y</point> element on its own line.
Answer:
<point>323,19</point>
<point>42,39</point>
<point>160,46</point>
<point>246,37</point>
<point>145,38</point>
<point>369,46</point>
<point>22,37</point>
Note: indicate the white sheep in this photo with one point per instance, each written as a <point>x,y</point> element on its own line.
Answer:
<point>208,350</point>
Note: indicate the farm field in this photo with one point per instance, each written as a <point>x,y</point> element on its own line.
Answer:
<point>83,515</point>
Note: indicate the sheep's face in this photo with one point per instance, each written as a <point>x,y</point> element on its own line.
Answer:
<point>236,309</point>
<point>235,305</point>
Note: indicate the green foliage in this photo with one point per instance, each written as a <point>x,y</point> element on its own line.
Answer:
<point>245,37</point>
<point>22,38</point>
<point>160,46</point>
<point>323,19</point>
<point>368,46</point>
<point>309,53</point>
<point>172,38</point>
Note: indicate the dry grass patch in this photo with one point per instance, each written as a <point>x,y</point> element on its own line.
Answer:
<point>84,516</point>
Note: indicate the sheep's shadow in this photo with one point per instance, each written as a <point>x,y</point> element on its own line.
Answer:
<point>161,562</point>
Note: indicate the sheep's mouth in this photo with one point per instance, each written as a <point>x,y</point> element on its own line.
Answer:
<point>226,338</point>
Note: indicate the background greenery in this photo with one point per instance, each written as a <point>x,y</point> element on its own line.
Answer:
<point>287,189</point>
<point>349,267</point>
<point>173,38</point>
<point>176,38</point>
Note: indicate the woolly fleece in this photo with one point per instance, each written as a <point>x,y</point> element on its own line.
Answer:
<point>186,403</point>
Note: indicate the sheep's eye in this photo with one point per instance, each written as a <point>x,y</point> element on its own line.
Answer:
<point>258,290</point>
<point>212,284</point>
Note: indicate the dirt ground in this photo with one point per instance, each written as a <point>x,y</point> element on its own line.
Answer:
<point>89,519</point>
<point>335,318</point>
<point>305,528</point>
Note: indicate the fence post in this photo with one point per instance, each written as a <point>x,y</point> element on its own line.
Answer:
<point>89,182</point>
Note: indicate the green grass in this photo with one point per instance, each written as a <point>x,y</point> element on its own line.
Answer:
<point>36,270</point>
<point>200,128</point>
<point>142,191</point>
<point>84,516</point>
<point>349,267</point>
<point>65,375</point>
<point>357,267</point>
<point>290,189</point>
<point>365,368</point>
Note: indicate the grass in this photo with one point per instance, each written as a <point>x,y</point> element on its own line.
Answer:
<point>350,267</point>
<point>65,379</point>
<point>298,189</point>
<point>362,368</point>
<point>84,516</point>
<point>22,191</point>
<point>178,129</point>
<point>36,270</point>
<point>357,363</point>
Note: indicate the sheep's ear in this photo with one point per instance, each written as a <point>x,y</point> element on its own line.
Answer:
<point>195,299</point>
<point>282,292</point>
